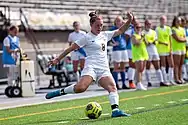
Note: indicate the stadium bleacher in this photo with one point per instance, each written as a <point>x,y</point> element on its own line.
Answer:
<point>109,9</point>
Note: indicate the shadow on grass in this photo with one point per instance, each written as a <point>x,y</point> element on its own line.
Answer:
<point>103,118</point>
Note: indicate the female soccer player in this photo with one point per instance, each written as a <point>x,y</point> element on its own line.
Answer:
<point>77,56</point>
<point>165,50</point>
<point>139,55</point>
<point>178,48</point>
<point>119,53</point>
<point>150,38</point>
<point>11,46</point>
<point>96,66</point>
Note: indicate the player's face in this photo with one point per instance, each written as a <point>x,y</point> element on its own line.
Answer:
<point>148,25</point>
<point>138,28</point>
<point>97,26</point>
<point>178,22</point>
<point>163,21</point>
<point>118,22</point>
<point>14,32</point>
<point>77,27</point>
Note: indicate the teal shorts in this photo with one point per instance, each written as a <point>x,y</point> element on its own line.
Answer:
<point>185,61</point>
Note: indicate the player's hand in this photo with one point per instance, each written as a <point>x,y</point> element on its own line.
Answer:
<point>53,62</point>
<point>17,50</point>
<point>115,44</point>
<point>130,16</point>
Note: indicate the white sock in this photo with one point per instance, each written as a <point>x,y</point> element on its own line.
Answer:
<point>69,89</point>
<point>131,73</point>
<point>184,71</point>
<point>114,98</point>
<point>147,75</point>
<point>77,76</point>
<point>160,75</point>
<point>171,74</point>
<point>163,69</point>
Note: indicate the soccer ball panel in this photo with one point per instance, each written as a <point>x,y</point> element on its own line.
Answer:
<point>93,110</point>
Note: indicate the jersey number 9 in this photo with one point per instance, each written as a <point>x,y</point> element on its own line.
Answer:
<point>103,47</point>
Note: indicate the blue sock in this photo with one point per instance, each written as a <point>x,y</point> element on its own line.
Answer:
<point>123,77</point>
<point>115,75</point>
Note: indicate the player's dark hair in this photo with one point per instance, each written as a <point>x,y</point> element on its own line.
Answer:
<point>93,17</point>
<point>75,22</point>
<point>12,27</point>
<point>174,21</point>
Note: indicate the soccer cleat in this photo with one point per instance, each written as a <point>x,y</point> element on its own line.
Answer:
<point>140,86</point>
<point>178,82</point>
<point>164,84</point>
<point>132,85</point>
<point>119,113</point>
<point>53,94</point>
<point>125,87</point>
<point>172,83</point>
<point>149,84</point>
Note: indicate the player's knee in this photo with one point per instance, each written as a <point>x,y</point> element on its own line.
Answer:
<point>80,88</point>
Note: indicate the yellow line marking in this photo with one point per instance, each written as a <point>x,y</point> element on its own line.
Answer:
<point>81,106</point>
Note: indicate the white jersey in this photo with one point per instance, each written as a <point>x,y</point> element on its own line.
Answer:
<point>152,50</point>
<point>75,36</point>
<point>96,49</point>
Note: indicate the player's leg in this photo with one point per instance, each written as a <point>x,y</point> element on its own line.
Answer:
<point>131,70</point>
<point>177,60</point>
<point>82,62</point>
<point>116,58</point>
<point>180,68</point>
<point>163,67</point>
<point>171,69</point>
<point>140,65</point>
<point>124,61</point>
<point>108,84</point>
<point>148,65</point>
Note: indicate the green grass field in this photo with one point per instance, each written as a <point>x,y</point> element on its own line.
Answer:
<point>161,106</point>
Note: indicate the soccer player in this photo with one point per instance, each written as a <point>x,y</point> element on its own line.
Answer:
<point>178,48</point>
<point>139,55</point>
<point>11,46</point>
<point>77,56</point>
<point>164,48</point>
<point>119,53</point>
<point>131,70</point>
<point>96,66</point>
<point>150,38</point>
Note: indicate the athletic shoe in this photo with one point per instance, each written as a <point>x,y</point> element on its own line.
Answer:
<point>132,85</point>
<point>183,81</point>
<point>125,87</point>
<point>119,113</point>
<point>149,84</point>
<point>164,84</point>
<point>178,82</point>
<point>53,94</point>
<point>140,86</point>
<point>173,83</point>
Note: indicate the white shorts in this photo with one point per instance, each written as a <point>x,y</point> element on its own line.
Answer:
<point>154,57</point>
<point>164,54</point>
<point>179,53</point>
<point>96,74</point>
<point>75,55</point>
<point>120,56</point>
<point>129,53</point>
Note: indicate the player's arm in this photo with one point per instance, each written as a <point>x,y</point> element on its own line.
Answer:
<point>6,43</point>
<point>135,41</point>
<point>125,26</point>
<point>177,38</point>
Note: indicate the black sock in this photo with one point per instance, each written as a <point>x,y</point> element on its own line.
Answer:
<point>114,106</point>
<point>62,92</point>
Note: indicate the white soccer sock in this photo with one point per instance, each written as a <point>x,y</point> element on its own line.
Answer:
<point>163,69</point>
<point>171,74</point>
<point>114,98</point>
<point>131,73</point>
<point>77,76</point>
<point>69,89</point>
<point>184,71</point>
<point>147,76</point>
<point>160,75</point>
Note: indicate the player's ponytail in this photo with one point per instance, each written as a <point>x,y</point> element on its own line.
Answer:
<point>93,17</point>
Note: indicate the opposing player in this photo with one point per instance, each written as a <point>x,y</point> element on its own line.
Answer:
<point>77,56</point>
<point>178,48</point>
<point>164,48</point>
<point>96,66</point>
<point>119,53</point>
<point>131,70</point>
<point>139,55</point>
<point>150,39</point>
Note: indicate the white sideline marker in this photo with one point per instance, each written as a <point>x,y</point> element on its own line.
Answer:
<point>63,122</point>
<point>140,108</point>
<point>105,114</point>
<point>171,102</point>
<point>84,118</point>
<point>184,100</point>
